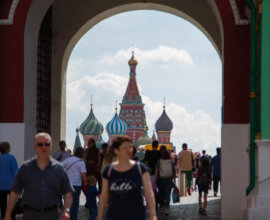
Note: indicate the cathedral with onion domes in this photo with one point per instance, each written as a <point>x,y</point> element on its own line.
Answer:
<point>130,121</point>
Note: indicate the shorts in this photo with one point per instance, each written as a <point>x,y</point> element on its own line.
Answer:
<point>203,189</point>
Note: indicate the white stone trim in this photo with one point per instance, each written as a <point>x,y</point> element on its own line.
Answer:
<point>14,133</point>
<point>9,20</point>
<point>237,19</point>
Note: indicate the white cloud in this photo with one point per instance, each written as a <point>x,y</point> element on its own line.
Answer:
<point>160,56</point>
<point>105,88</point>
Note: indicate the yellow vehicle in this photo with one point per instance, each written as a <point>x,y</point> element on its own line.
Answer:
<point>149,147</point>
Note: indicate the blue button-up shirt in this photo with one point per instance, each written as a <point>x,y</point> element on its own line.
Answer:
<point>8,169</point>
<point>215,165</point>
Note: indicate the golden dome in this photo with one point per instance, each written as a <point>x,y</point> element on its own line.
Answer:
<point>132,60</point>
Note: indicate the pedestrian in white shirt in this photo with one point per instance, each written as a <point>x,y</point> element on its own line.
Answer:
<point>76,170</point>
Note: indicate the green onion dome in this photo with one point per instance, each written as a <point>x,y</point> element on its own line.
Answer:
<point>144,139</point>
<point>91,126</point>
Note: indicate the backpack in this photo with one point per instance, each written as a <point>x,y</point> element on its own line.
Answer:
<point>204,178</point>
<point>165,168</point>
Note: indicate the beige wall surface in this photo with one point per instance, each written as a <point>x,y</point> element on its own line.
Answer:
<point>234,170</point>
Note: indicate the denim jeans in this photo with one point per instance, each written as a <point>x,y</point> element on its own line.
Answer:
<point>216,180</point>
<point>75,203</point>
<point>164,191</point>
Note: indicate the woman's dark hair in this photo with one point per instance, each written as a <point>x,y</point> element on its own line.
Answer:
<point>91,140</point>
<point>4,147</point>
<point>147,155</point>
<point>205,164</point>
<point>104,145</point>
<point>120,140</point>
<point>165,155</point>
<point>163,148</point>
<point>79,152</point>
<point>155,144</point>
<point>134,151</point>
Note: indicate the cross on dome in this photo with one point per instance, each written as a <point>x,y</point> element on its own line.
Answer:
<point>115,106</point>
<point>164,105</point>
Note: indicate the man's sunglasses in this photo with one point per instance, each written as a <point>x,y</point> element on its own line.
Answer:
<point>43,144</point>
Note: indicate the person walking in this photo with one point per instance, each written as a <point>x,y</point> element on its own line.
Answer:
<point>215,167</point>
<point>61,154</point>
<point>121,187</point>
<point>104,150</point>
<point>91,194</point>
<point>204,156</point>
<point>152,157</point>
<point>203,182</point>
<point>185,162</point>
<point>92,159</point>
<point>76,170</point>
<point>8,169</point>
<point>109,158</point>
<point>164,174</point>
<point>43,181</point>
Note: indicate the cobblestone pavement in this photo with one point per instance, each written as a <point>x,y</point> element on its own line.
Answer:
<point>187,209</point>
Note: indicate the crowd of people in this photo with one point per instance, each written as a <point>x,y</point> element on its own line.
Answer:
<point>128,183</point>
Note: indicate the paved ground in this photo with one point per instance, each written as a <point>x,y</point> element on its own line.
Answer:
<point>187,209</point>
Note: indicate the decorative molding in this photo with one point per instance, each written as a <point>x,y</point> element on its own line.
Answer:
<point>9,20</point>
<point>237,19</point>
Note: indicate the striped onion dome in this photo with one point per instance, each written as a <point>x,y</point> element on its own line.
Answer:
<point>116,126</point>
<point>164,123</point>
<point>100,142</point>
<point>91,126</point>
<point>144,139</point>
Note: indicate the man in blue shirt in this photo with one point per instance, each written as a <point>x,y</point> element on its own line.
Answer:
<point>8,169</point>
<point>43,182</point>
<point>215,167</point>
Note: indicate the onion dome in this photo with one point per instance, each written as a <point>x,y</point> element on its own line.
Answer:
<point>164,123</point>
<point>100,142</point>
<point>77,141</point>
<point>144,139</point>
<point>116,126</point>
<point>132,61</point>
<point>91,126</point>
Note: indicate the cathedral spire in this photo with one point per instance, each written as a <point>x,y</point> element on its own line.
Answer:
<point>132,64</point>
<point>132,107</point>
<point>132,94</point>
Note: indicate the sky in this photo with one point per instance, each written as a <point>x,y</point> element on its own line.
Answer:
<point>175,60</point>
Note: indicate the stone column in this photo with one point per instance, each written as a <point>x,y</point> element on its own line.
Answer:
<point>182,184</point>
<point>262,199</point>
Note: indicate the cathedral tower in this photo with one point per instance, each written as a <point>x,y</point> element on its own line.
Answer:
<point>132,108</point>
